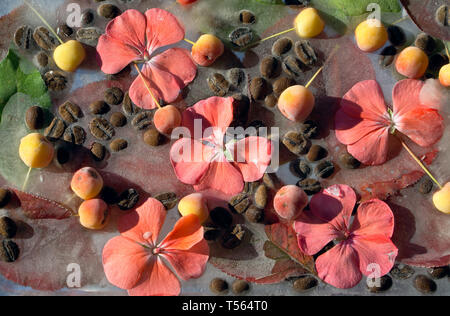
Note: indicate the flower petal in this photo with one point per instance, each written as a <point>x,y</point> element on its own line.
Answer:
<point>372,149</point>
<point>222,176</point>
<point>406,96</point>
<point>186,234</point>
<point>252,156</point>
<point>376,254</point>
<point>339,267</point>
<point>163,29</point>
<point>189,264</point>
<point>114,55</point>
<point>121,252</point>
<point>178,62</point>
<point>158,280</point>
<point>144,224</point>
<point>373,217</point>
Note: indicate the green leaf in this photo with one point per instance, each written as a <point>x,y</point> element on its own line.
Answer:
<point>359,7</point>
<point>8,69</point>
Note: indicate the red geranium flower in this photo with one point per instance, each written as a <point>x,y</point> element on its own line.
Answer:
<point>133,261</point>
<point>364,122</point>
<point>135,37</point>
<point>205,161</point>
<point>364,247</point>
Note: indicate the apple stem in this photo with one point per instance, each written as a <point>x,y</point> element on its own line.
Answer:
<point>276,35</point>
<point>26,179</point>
<point>189,41</point>
<point>44,21</point>
<point>147,86</point>
<point>400,20</point>
<point>321,68</point>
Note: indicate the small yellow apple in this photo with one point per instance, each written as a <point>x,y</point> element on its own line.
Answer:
<point>69,56</point>
<point>194,204</point>
<point>441,199</point>
<point>36,151</point>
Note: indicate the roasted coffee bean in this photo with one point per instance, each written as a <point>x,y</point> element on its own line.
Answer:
<point>128,106</point>
<point>301,169</point>
<point>305,52</point>
<point>99,108</point>
<point>221,217</point>
<point>292,66</point>
<point>98,151</point>
<point>271,101</point>
<point>236,77</point>
<point>44,39</point>
<point>442,16</point>
<point>117,119</point>
<point>247,17</point>
<point>114,96</point>
<point>385,283</point>
<point>437,61</point>
<point>348,161</point>
<point>5,197</point>
<point>240,286</point>
<point>251,187</point>
<point>259,88</point>
<point>211,233</point>
<point>241,108</point>
<point>325,169</point>
<point>23,36</point>
<point>64,31</point>
<point>305,283</point>
<point>63,154</point>
<point>386,60</point>
<point>402,272</point>
<point>142,121</point>
<point>261,197</point>
<point>268,67</point>
<point>108,11</point>
<point>56,129</point>
<point>70,112</point>
<point>87,18</point>
<point>118,145</point>
<point>282,46</point>
<point>128,200</point>
<point>101,129</point>
<point>425,185</point>
<point>218,286</point>
<point>254,214</point>
<point>109,195</point>
<point>270,181</point>
<point>41,60</point>
<point>239,203</point>
<point>218,84</point>
<point>310,186</point>
<point>168,199</point>
<point>123,74</point>
<point>8,228</point>
<point>89,35</point>
<point>233,237</point>
<point>282,84</point>
<point>424,284</point>
<point>34,118</point>
<point>317,153</point>
<point>310,129</point>
<point>55,81</point>
<point>75,135</point>
<point>396,35</point>
<point>439,273</point>
<point>241,37</point>
<point>296,142</point>
<point>9,251</point>
<point>153,137</point>
<point>425,42</point>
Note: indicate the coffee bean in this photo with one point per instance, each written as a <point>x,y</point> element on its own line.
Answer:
<point>271,101</point>
<point>218,84</point>
<point>292,66</point>
<point>396,35</point>
<point>247,17</point>
<point>221,217</point>
<point>87,18</point>
<point>251,187</point>
<point>44,39</point>
<point>153,137</point>
<point>442,16</point>
<point>63,154</point>
<point>55,81</point>
<point>109,195</point>
<point>317,153</point>
<point>301,169</point>
<point>64,31</point>
<point>98,151</point>
<point>233,237</point>
<point>34,118</point>
<point>121,75</point>
<point>108,11</point>
<point>128,200</point>
<point>425,42</point>
<point>56,129</point>
<point>89,35</point>
<point>239,203</point>
<point>296,142</point>
<point>70,112</point>
<point>270,181</point>
<point>168,199</point>
<point>385,283</point>
<point>282,46</point>
<point>424,284</point>
<point>254,214</point>
<point>236,77</point>
<point>268,67</point>
<point>218,286</point>
<point>99,108</point>
<point>5,197</point>
<point>305,52</point>
<point>305,283</point>
<point>240,286</point>
<point>325,169</point>
<point>437,61</point>
<point>101,129</point>
<point>241,37</point>
<point>439,273</point>
<point>9,251</point>
<point>41,60</point>
<point>22,37</point>
<point>128,106</point>
<point>114,96</point>
<point>241,108</point>
<point>309,129</point>
<point>261,197</point>
<point>118,145</point>
<point>259,88</point>
<point>348,161</point>
<point>75,135</point>
<point>211,233</point>
<point>118,119</point>
<point>402,272</point>
<point>282,84</point>
<point>310,186</point>
<point>8,228</point>
<point>425,185</point>
<point>142,121</point>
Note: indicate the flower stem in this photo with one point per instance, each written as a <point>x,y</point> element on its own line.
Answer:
<point>147,86</point>
<point>189,41</point>
<point>43,20</point>
<point>26,179</point>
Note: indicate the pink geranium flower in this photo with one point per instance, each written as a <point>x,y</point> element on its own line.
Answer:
<point>206,162</point>
<point>135,37</point>
<point>363,247</point>
<point>134,260</point>
<point>364,123</point>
